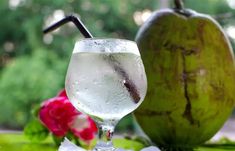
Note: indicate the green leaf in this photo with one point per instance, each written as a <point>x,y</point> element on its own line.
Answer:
<point>35,110</point>
<point>57,140</point>
<point>143,140</point>
<point>127,144</point>
<point>35,131</point>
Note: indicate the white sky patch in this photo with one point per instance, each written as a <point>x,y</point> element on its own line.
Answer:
<point>141,16</point>
<point>48,38</point>
<point>231,31</point>
<point>13,4</point>
<point>55,17</point>
<point>231,3</point>
<point>8,46</point>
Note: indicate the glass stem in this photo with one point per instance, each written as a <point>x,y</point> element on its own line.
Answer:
<point>105,138</point>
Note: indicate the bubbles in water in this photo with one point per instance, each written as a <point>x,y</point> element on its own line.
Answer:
<point>115,108</point>
<point>74,85</point>
<point>100,89</point>
<point>107,49</point>
<point>77,92</point>
<point>107,102</point>
<point>94,81</point>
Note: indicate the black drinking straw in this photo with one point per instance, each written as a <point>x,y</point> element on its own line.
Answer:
<point>67,19</point>
<point>130,86</point>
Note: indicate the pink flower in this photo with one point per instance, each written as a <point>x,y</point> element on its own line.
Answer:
<point>60,117</point>
<point>56,113</point>
<point>62,93</point>
<point>84,128</point>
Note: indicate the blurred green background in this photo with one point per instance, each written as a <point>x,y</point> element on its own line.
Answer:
<point>33,65</point>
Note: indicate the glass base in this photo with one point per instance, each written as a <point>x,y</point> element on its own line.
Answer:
<point>103,146</point>
<point>104,149</point>
<point>109,149</point>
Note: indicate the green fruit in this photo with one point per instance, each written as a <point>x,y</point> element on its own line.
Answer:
<point>191,78</point>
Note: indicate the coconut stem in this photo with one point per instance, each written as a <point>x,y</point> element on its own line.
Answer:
<point>179,4</point>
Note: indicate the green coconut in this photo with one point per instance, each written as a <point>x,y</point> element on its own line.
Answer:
<point>189,64</point>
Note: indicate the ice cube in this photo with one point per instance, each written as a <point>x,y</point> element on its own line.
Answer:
<point>66,145</point>
<point>151,148</point>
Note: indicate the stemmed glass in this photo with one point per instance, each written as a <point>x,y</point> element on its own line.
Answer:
<point>106,80</point>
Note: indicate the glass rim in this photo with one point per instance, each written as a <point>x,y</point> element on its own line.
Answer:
<point>102,45</point>
<point>104,38</point>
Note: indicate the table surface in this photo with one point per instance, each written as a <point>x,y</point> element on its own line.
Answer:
<point>17,142</point>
